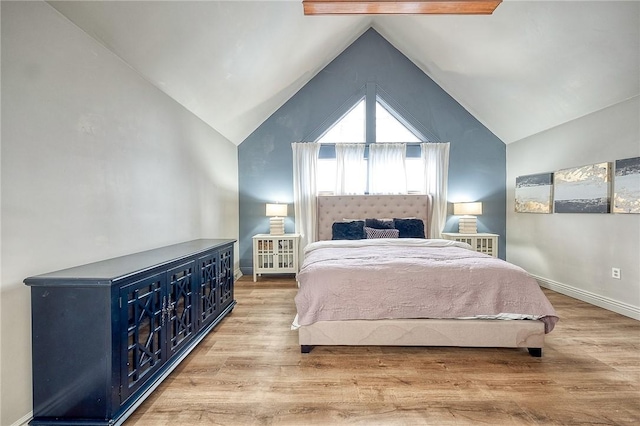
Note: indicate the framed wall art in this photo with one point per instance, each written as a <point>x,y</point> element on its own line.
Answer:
<point>626,183</point>
<point>534,193</point>
<point>585,189</point>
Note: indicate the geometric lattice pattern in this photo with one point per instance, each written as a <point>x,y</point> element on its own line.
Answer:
<point>226,277</point>
<point>144,330</point>
<point>209,307</point>
<point>163,312</point>
<point>180,306</point>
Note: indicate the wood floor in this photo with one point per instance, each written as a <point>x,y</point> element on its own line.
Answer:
<point>249,371</point>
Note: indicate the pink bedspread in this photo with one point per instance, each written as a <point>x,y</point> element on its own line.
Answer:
<point>412,278</point>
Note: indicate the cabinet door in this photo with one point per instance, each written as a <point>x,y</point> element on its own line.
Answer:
<point>264,254</point>
<point>225,274</point>
<point>470,240</point>
<point>487,245</point>
<point>285,256</point>
<point>181,306</point>
<point>143,348</point>
<point>208,292</point>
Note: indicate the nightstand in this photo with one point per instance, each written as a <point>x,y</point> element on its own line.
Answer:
<point>480,242</point>
<point>275,254</point>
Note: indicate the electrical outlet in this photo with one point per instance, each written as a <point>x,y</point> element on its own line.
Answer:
<point>615,273</point>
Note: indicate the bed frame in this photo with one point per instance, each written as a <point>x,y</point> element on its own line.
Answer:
<point>408,332</point>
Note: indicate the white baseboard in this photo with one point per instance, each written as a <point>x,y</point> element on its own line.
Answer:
<point>237,274</point>
<point>24,420</point>
<point>589,297</point>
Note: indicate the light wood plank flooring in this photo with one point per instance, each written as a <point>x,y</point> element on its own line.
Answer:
<point>249,371</point>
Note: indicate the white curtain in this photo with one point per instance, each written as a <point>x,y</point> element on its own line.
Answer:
<point>435,157</point>
<point>351,169</point>
<point>305,167</point>
<point>387,172</point>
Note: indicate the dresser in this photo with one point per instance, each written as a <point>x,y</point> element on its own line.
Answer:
<point>104,335</point>
<point>480,242</point>
<point>275,254</point>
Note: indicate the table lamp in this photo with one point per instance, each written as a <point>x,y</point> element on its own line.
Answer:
<point>276,213</point>
<point>468,222</point>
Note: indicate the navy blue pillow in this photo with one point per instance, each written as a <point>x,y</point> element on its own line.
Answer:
<point>409,228</point>
<point>348,230</point>
<point>378,224</point>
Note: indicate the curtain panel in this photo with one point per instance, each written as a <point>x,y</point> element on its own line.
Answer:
<point>305,170</point>
<point>387,175</point>
<point>387,171</point>
<point>435,157</point>
<point>351,169</point>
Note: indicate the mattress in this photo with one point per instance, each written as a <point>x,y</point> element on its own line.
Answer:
<point>413,278</point>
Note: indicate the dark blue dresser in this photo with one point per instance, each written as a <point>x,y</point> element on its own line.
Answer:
<point>106,334</point>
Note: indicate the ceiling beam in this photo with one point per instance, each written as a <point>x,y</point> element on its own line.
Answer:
<point>399,7</point>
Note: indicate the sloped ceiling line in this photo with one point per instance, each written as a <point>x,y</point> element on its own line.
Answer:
<point>528,67</point>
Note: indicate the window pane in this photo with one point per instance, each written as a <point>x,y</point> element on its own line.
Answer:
<point>389,129</point>
<point>415,174</point>
<point>326,178</point>
<point>350,128</point>
<point>356,179</point>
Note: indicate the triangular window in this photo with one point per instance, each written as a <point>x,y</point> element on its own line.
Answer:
<point>389,128</point>
<point>349,128</point>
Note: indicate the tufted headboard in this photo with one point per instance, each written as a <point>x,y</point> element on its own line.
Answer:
<point>336,208</point>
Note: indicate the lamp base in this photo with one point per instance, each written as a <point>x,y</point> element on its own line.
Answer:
<point>276,225</point>
<point>468,225</point>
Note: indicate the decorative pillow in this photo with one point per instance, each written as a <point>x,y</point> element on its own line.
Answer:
<point>381,233</point>
<point>379,223</point>
<point>353,230</point>
<point>409,228</point>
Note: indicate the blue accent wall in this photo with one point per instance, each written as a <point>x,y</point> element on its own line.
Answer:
<point>477,163</point>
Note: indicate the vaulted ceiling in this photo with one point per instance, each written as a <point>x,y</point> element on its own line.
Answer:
<point>530,66</point>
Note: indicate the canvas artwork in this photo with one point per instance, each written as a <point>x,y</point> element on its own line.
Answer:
<point>583,189</point>
<point>534,193</point>
<point>626,197</point>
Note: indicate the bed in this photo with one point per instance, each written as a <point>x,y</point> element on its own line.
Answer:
<point>388,279</point>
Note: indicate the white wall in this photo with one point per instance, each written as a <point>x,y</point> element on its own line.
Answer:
<point>574,253</point>
<point>96,163</point>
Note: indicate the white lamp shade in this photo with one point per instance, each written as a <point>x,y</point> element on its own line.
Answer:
<point>276,210</point>
<point>464,209</point>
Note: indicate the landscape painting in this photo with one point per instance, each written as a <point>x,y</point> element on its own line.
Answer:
<point>583,189</point>
<point>626,197</point>
<point>534,193</point>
